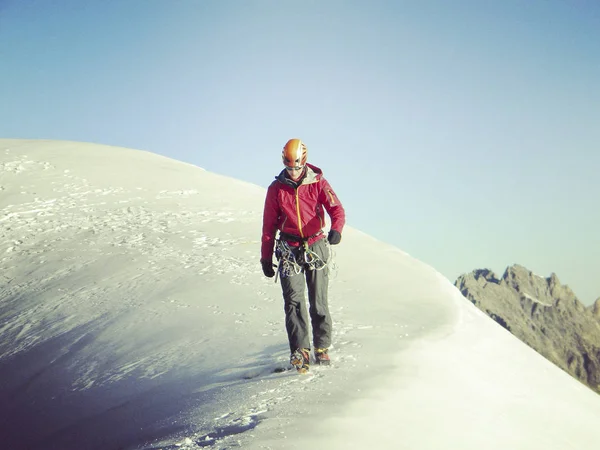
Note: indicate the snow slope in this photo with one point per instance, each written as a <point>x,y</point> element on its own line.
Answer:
<point>134,314</point>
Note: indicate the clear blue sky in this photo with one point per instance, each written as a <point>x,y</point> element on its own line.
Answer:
<point>467,133</point>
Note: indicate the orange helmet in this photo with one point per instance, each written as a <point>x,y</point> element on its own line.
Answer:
<point>294,153</point>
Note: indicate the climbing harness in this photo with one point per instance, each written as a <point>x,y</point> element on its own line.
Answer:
<point>292,260</point>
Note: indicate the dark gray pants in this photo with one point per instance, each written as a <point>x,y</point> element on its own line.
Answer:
<point>296,319</point>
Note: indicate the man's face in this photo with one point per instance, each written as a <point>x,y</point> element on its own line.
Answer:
<point>294,172</point>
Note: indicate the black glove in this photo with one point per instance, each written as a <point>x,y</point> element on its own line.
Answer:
<point>267,267</point>
<point>334,237</point>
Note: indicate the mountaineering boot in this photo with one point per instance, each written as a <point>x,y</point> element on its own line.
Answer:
<point>300,359</point>
<point>322,357</point>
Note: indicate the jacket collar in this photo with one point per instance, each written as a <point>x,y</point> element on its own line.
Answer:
<point>312,174</point>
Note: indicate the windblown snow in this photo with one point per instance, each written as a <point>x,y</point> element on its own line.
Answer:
<point>134,314</point>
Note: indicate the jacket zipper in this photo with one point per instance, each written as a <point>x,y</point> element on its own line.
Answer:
<point>298,212</point>
<point>320,216</point>
<point>331,197</point>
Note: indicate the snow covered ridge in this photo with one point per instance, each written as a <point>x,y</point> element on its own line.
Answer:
<point>134,314</point>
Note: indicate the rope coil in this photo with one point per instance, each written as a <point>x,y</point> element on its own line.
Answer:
<point>290,264</point>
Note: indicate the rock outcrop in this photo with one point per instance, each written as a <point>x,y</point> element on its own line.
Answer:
<point>544,314</point>
<point>595,308</point>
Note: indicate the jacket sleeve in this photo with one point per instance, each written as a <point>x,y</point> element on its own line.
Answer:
<point>333,206</point>
<point>271,215</point>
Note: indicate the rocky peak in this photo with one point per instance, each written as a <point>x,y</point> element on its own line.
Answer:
<point>527,284</point>
<point>481,276</point>
<point>487,275</point>
<point>544,314</point>
<point>553,280</point>
<point>595,308</point>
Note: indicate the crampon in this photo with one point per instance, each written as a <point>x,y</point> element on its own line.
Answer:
<point>300,359</point>
<point>322,357</point>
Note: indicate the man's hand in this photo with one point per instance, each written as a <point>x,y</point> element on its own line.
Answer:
<point>267,267</point>
<point>334,237</point>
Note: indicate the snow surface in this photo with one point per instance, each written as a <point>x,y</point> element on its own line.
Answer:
<point>134,314</point>
<point>535,299</point>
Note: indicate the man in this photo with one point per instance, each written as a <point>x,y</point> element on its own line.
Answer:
<point>295,205</point>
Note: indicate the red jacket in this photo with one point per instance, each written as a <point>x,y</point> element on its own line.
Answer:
<point>297,209</point>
